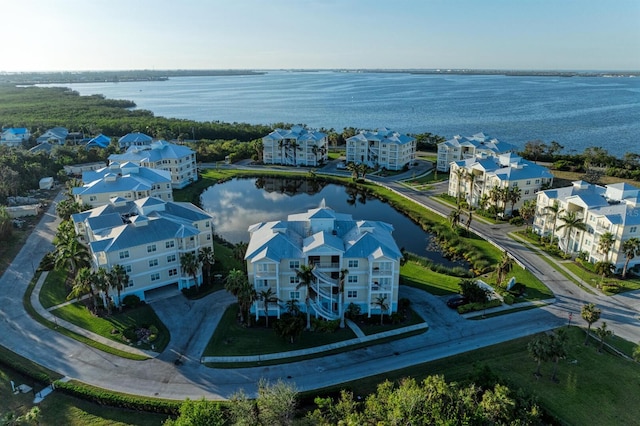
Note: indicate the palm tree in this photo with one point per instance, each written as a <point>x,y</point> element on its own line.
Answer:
<point>102,283</point>
<point>460,173</point>
<point>471,178</point>
<point>268,297</point>
<point>306,277</point>
<point>454,216</point>
<point>494,198</point>
<point>469,219</point>
<point>571,222</point>
<point>69,252</point>
<point>362,170</point>
<point>343,276</point>
<point>554,211</point>
<point>503,267</point>
<point>353,168</point>
<point>246,296</point>
<point>557,349</point>
<point>528,211</point>
<point>118,279</point>
<point>283,144</point>
<point>83,284</point>
<point>189,264</point>
<point>590,313</point>
<point>513,195</point>
<point>206,258</point>
<point>237,284</point>
<point>503,195</point>
<point>603,332</point>
<point>234,281</point>
<point>381,302</point>
<point>294,144</point>
<point>631,248</point>
<point>604,269</point>
<point>539,350</point>
<point>605,242</point>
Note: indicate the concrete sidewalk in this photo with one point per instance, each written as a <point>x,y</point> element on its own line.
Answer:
<point>46,314</point>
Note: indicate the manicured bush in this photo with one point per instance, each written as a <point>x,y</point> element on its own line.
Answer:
<point>130,334</point>
<point>473,307</point>
<point>517,221</point>
<point>131,301</point>
<point>118,400</point>
<point>509,298</point>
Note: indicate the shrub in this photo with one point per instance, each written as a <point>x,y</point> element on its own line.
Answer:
<point>130,334</point>
<point>353,311</point>
<point>473,307</point>
<point>403,303</point>
<point>153,329</point>
<point>509,299</point>
<point>517,221</point>
<point>131,301</point>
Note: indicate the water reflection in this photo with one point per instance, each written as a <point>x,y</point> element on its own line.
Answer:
<point>238,203</point>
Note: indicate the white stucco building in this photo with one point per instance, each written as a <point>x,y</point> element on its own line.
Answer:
<point>474,178</point>
<point>465,147</point>
<point>127,180</point>
<point>295,147</point>
<point>147,237</point>
<point>333,242</point>
<point>179,160</point>
<point>613,208</point>
<point>381,148</point>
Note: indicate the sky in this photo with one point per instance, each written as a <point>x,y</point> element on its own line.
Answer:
<point>75,35</point>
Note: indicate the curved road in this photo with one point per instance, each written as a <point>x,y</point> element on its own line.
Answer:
<point>160,377</point>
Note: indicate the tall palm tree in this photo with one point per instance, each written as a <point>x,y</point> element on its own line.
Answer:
<point>307,278</point>
<point>236,283</point>
<point>460,174</point>
<point>528,212</point>
<point>631,248</point>
<point>571,223</point>
<point>494,199</point>
<point>295,145</point>
<point>246,296</point>
<point>604,269</point>
<point>363,169</point>
<point>118,279</point>
<point>605,242</point>
<point>514,194</point>
<point>454,216</point>
<point>590,313</point>
<point>268,297</point>
<point>102,283</point>
<point>381,302</point>
<point>554,211</point>
<point>207,259</point>
<point>71,254</point>
<point>503,194</point>
<point>190,265</point>
<point>471,178</point>
<point>82,284</point>
<point>353,168</point>
<point>343,276</point>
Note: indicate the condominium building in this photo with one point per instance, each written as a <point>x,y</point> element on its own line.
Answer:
<point>179,160</point>
<point>134,139</point>
<point>465,147</point>
<point>474,178</point>
<point>295,147</point>
<point>335,243</point>
<point>147,237</point>
<point>383,148</point>
<point>126,180</point>
<point>613,209</point>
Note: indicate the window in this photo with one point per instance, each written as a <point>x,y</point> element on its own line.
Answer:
<point>127,269</point>
<point>153,262</point>
<point>537,181</point>
<point>171,258</point>
<point>155,277</point>
<point>173,272</point>
<point>528,182</point>
<point>352,294</point>
<point>526,191</point>
<point>633,229</point>
<point>93,198</point>
<point>170,244</point>
<point>151,248</point>
<point>294,279</point>
<point>208,237</point>
<point>352,264</point>
<point>124,254</point>
<point>352,279</point>
<point>130,283</point>
<point>207,224</point>
<point>294,264</point>
<point>294,295</point>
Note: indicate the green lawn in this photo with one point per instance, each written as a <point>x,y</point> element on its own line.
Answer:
<point>232,338</point>
<point>414,275</point>
<point>372,325</point>
<point>593,279</point>
<point>587,379</point>
<point>54,291</point>
<point>78,314</point>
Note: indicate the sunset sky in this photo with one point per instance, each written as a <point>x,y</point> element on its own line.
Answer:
<point>45,35</point>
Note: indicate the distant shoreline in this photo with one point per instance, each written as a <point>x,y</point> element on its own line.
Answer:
<point>62,77</point>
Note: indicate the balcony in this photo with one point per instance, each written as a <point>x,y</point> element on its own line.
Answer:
<point>327,265</point>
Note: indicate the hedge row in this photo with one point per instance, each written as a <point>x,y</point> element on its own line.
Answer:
<point>119,400</point>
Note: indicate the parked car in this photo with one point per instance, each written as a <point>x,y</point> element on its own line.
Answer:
<point>457,300</point>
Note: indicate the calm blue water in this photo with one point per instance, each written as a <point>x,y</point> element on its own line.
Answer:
<point>577,112</point>
<point>238,203</point>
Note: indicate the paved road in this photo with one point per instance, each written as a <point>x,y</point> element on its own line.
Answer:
<point>448,334</point>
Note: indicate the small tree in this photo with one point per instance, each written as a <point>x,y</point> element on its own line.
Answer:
<point>631,248</point>
<point>538,348</point>
<point>268,297</point>
<point>557,349</point>
<point>590,313</point>
<point>603,332</point>
<point>470,289</point>
<point>307,278</point>
<point>381,302</point>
